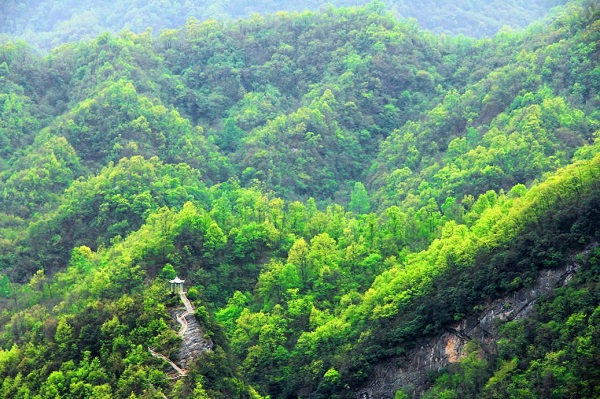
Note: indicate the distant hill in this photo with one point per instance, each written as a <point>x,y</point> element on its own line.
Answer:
<point>49,23</point>
<point>334,187</point>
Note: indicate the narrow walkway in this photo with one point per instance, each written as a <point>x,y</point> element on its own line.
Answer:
<point>184,324</point>
<point>193,342</point>
<point>188,305</point>
<point>180,371</point>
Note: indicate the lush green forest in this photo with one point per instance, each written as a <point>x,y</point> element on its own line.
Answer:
<point>47,24</point>
<point>333,186</point>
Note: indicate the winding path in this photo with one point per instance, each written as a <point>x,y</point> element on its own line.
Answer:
<point>184,324</point>
<point>193,340</point>
<point>182,318</point>
<point>188,305</point>
<point>180,371</point>
<point>194,343</point>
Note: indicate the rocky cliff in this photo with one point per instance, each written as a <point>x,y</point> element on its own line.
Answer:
<point>193,342</point>
<point>411,372</point>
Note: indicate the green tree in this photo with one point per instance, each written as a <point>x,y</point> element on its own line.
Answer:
<point>64,338</point>
<point>359,200</point>
<point>168,272</point>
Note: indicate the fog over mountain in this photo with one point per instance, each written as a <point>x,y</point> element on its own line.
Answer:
<point>49,23</point>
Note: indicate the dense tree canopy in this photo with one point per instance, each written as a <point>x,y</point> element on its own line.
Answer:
<point>48,24</point>
<point>332,185</point>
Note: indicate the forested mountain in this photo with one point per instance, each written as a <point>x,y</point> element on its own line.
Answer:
<point>48,24</point>
<point>333,186</point>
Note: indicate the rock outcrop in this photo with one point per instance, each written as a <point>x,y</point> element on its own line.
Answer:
<point>411,372</point>
<point>194,343</point>
<point>178,371</point>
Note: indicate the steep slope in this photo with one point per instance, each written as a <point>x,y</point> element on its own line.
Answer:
<point>130,157</point>
<point>271,89</point>
<point>508,127</point>
<point>552,352</point>
<point>193,338</point>
<point>193,342</point>
<point>415,296</point>
<point>477,335</point>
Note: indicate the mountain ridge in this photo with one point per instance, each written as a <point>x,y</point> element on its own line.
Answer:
<point>333,186</point>
<point>49,25</point>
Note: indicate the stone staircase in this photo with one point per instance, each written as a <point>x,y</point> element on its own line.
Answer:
<point>193,344</point>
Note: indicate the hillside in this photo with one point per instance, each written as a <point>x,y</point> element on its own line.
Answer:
<point>333,186</point>
<point>48,24</point>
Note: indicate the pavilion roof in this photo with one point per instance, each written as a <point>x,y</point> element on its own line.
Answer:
<point>176,280</point>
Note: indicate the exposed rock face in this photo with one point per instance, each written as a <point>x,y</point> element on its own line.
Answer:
<point>194,342</point>
<point>411,371</point>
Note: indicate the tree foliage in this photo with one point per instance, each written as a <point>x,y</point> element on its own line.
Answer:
<point>333,186</point>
